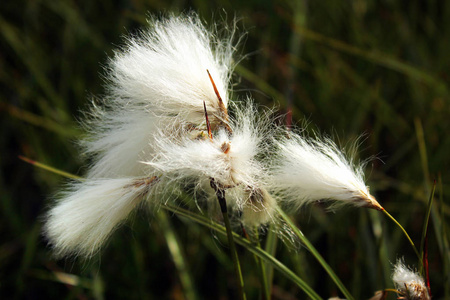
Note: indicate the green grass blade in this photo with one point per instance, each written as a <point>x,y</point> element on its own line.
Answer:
<point>435,216</point>
<point>38,121</point>
<point>316,254</point>
<point>271,248</point>
<point>261,84</point>
<point>234,256</point>
<point>50,169</point>
<point>422,149</point>
<point>14,39</point>
<point>378,256</point>
<point>375,56</point>
<point>248,245</point>
<point>261,266</point>
<point>98,286</point>
<point>425,225</point>
<point>443,235</point>
<point>178,256</point>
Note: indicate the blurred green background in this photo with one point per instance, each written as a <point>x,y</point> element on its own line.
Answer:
<point>379,68</point>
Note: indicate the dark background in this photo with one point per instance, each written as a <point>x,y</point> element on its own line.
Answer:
<point>379,68</point>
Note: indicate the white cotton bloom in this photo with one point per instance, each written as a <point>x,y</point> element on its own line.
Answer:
<point>223,159</point>
<point>410,284</point>
<point>157,84</point>
<point>308,170</point>
<point>89,211</point>
<point>230,158</point>
<point>158,81</point>
<point>166,68</point>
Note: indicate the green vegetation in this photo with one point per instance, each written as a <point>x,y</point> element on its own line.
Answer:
<point>346,67</point>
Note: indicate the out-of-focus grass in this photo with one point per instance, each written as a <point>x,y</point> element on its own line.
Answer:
<point>346,67</point>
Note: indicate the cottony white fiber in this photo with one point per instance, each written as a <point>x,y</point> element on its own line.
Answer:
<point>87,213</point>
<point>229,158</point>
<point>307,170</point>
<point>409,283</point>
<point>158,81</point>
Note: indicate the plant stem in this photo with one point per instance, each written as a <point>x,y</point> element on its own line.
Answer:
<point>270,247</point>
<point>50,169</point>
<point>261,267</point>
<point>406,234</point>
<point>316,254</point>
<point>249,246</point>
<point>220,193</point>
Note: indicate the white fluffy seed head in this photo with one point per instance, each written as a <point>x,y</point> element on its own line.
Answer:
<point>158,81</point>
<point>410,284</point>
<point>88,212</point>
<point>198,159</point>
<point>307,170</point>
<point>231,159</point>
<point>165,68</point>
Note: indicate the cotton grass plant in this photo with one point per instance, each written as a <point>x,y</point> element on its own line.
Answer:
<point>150,96</point>
<point>410,284</point>
<point>314,169</point>
<point>168,123</point>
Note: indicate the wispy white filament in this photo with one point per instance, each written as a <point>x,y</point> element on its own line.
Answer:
<point>409,283</point>
<point>308,170</point>
<point>157,81</point>
<point>88,212</point>
<point>229,159</point>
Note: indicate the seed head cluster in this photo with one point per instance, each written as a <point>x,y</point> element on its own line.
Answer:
<point>409,284</point>
<point>167,122</point>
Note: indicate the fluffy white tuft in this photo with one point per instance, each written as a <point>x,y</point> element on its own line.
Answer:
<point>166,68</point>
<point>308,170</point>
<point>158,81</point>
<point>229,158</point>
<point>89,211</point>
<point>409,283</point>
